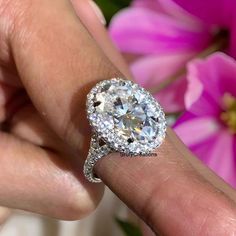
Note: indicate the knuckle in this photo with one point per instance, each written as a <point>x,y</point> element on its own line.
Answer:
<point>20,20</point>
<point>13,10</point>
<point>5,6</point>
<point>12,14</point>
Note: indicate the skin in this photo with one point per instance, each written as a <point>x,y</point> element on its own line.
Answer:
<point>51,55</point>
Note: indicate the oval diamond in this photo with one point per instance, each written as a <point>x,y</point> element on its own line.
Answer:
<point>126,116</point>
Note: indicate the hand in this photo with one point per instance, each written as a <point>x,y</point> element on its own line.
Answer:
<point>49,62</point>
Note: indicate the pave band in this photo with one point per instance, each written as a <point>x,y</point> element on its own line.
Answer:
<point>96,151</point>
<point>124,118</point>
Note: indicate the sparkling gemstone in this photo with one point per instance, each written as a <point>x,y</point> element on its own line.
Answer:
<point>129,113</point>
<point>124,118</point>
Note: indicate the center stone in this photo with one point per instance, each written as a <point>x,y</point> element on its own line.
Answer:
<point>128,112</point>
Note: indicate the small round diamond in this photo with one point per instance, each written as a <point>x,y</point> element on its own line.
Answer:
<point>126,116</point>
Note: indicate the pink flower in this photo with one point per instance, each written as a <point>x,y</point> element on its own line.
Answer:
<point>211,12</point>
<point>208,127</point>
<point>162,37</point>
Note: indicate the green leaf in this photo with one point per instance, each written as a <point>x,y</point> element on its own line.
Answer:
<point>128,228</point>
<point>110,7</point>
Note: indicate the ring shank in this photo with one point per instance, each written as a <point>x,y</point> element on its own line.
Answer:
<point>96,152</point>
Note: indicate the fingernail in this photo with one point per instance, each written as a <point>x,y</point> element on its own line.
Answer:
<point>97,11</point>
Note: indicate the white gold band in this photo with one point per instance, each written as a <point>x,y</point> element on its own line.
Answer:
<point>97,150</point>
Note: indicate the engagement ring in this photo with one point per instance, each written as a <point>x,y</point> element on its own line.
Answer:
<point>124,118</point>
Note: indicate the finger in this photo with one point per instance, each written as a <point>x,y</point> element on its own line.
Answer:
<point>38,180</point>
<point>58,66</point>
<point>92,18</point>
<point>27,122</point>
<point>72,74</point>
<point>28,125</point>
<point>170,195</point>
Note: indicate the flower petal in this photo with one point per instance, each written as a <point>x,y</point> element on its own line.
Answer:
<point>209,80</point>
<point>170,98</point>
<point>197,99</point>
<point>210,11</point>
<point>194,89</point>
<point>171,8</point>
<point>232,46</point>
<point>218,153</point>
<point>143,31</point>
<point>168,7</point>
<point>202,128</point>
<point>151,71</point>
<point>203,74</point>
<point>212,144</point>
<point>153,5</point>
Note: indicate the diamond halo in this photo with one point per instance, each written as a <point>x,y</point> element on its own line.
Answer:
<point>126,118</point>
